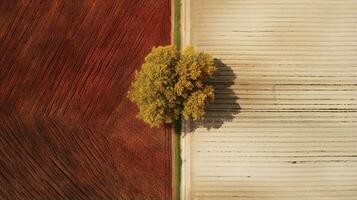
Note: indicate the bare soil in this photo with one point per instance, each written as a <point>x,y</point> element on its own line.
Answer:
<point>67,130</point>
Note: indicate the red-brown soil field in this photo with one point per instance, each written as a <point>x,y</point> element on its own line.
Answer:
<point>67,128</point>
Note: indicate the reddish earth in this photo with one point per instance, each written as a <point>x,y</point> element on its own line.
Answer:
<point>67,130</point>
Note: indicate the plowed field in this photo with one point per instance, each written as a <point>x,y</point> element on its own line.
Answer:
<point>67,130</point>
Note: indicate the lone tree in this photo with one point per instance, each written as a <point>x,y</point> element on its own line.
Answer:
<point>171,84</point>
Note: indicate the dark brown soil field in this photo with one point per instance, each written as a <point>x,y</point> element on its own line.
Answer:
<point>67,129</point>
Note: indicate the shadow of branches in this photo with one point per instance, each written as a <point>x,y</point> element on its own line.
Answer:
<point>225,104</point>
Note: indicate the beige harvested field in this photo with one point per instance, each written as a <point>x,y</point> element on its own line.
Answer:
<point>284,124</point>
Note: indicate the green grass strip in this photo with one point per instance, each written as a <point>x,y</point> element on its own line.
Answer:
<point>177,25</point>
<point>178,160</point>
<point>178,123</point>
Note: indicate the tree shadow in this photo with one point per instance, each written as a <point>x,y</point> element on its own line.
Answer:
<point>225,105</point>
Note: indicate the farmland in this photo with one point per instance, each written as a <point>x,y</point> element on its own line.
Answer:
<point>67,130</point>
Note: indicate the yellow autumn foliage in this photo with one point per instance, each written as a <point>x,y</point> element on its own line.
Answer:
<point>194,105</point>
<point>171,84</point>
<point>194,69</point>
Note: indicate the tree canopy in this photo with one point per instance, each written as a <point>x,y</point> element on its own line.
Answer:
<point>171,84</point>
